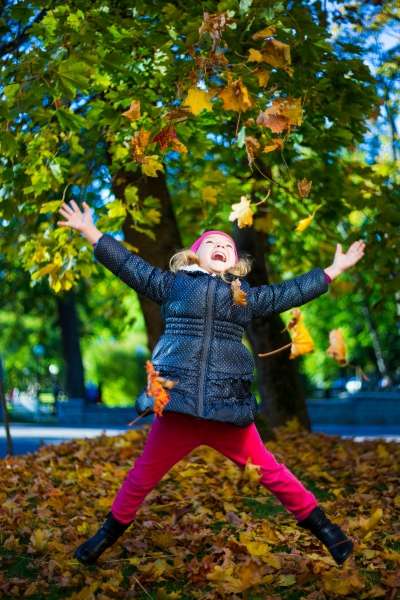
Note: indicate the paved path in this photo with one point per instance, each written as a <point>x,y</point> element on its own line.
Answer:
<point>29,437</point>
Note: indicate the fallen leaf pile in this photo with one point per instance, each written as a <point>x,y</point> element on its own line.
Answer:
<point>209,530</point>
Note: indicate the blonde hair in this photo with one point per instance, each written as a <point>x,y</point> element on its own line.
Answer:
<point>187,257</point>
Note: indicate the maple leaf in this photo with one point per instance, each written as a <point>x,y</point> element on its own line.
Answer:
<point>262,76</point>
<point>139,142</point>
<point>276,53</point>
<point>283,114</point>
<point>198,100</point>
<point>264,33</point>
<point>165,136</point>
<point>214,24</point>
<point>337,347</point>
<point>151,164</point>
<point>157,388</point>
<point>302,342</point>
<point>235,96</point>
<point>242,212</point>
<point>133,111</point>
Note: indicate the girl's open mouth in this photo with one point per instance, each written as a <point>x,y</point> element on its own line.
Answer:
<point>218,256</point>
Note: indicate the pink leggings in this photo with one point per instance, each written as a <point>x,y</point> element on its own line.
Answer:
<point>174,435</point>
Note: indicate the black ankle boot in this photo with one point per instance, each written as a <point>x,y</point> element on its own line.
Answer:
<point>338,544</point>
<point>105,537</point>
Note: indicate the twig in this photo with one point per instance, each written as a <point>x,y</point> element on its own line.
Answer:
<point>275,351</point>
<point>144,414</point>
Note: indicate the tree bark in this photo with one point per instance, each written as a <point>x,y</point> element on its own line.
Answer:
<point>157,252</point>
<point>69,325</point>
<point>279,382</point>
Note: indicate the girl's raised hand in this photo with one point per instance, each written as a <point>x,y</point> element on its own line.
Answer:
<point>343,261</point>
<point>74,217</point>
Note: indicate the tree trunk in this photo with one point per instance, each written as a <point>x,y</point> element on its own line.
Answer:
<point>157,252</point>
<point>69,325</point>
<point>279,382</point>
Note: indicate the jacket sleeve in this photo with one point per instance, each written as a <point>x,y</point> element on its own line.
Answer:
<point>133,270</point>
<point>276,298</point>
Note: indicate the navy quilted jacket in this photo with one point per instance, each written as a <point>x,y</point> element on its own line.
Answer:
<point>201,345</point>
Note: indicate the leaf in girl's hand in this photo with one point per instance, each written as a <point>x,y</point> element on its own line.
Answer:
<point>337,347</point>
<point>157,388</point>
<point>239,296</point>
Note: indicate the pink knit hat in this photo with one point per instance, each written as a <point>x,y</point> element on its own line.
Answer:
<point>197,243</point>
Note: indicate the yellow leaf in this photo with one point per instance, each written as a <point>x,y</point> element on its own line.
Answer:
<point>276,53</point>
<point>341,585</point>
<point>44,271</point>
<point>116,209</point>
<point>304,223</point>
<point>50,206</point>
<point>372,521</point>
<point>302,342</point>
<point>39,539</point>
<point>56,286</point>
<point>263,33</point>
<point>242,212</point>
<point>198,100</point>
<point>262,76</point>
<point>151,165</point>
<point>276,143</point>
<point>286,580</point>
<point>235,96</point>
<point>209,194</point>
<point>254,55</point>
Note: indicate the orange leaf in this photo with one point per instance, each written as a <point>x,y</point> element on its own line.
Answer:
<point>235,96</point>
<point>304,187</point>
<point>302,342</point>
<point>156,388</point>
<point>337,348</point>
<point>133,111</point>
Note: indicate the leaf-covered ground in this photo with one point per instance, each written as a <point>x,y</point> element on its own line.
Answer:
<point>207,531</point>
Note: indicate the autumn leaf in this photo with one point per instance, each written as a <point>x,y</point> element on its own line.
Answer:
<point>157,388</point>
<point>284,113</point>
<point>337,347</point>
<point>302,342</point>
<point>252,146</point>
<point>264,33</point>
<point>133,112</point>
<point>198,100</point>
<point>275,143</point>
<point>239,296</point>
<point>262,76</point>
<point>242,212</point>
<point>151,164</point>
<point>214,24</point>
<point>304,223</point>
<point>275,122</point>
<point>139,143</point>
<point>235,96</point>
<point>304,187</point>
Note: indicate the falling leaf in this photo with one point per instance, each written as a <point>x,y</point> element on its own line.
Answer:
<point>302,342</point>
<point>235,96</point>
<point>304,223</point>
<point>337,347</point>
<point>242,211</point>
<point>133,112</point>
<point>198,100</point>
<point>304,187</point>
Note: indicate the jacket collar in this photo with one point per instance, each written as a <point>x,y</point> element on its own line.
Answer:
<point>196,268</point>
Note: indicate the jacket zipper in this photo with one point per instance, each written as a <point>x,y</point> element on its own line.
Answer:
<point>206,343</point>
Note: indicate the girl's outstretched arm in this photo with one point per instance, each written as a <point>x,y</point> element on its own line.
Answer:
<point>133,270</point>
<point>276,298</point>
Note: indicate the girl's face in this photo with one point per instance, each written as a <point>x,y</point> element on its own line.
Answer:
<point>216,253</point>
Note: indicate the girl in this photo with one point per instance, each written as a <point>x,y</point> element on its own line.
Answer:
<point>205,316</point>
